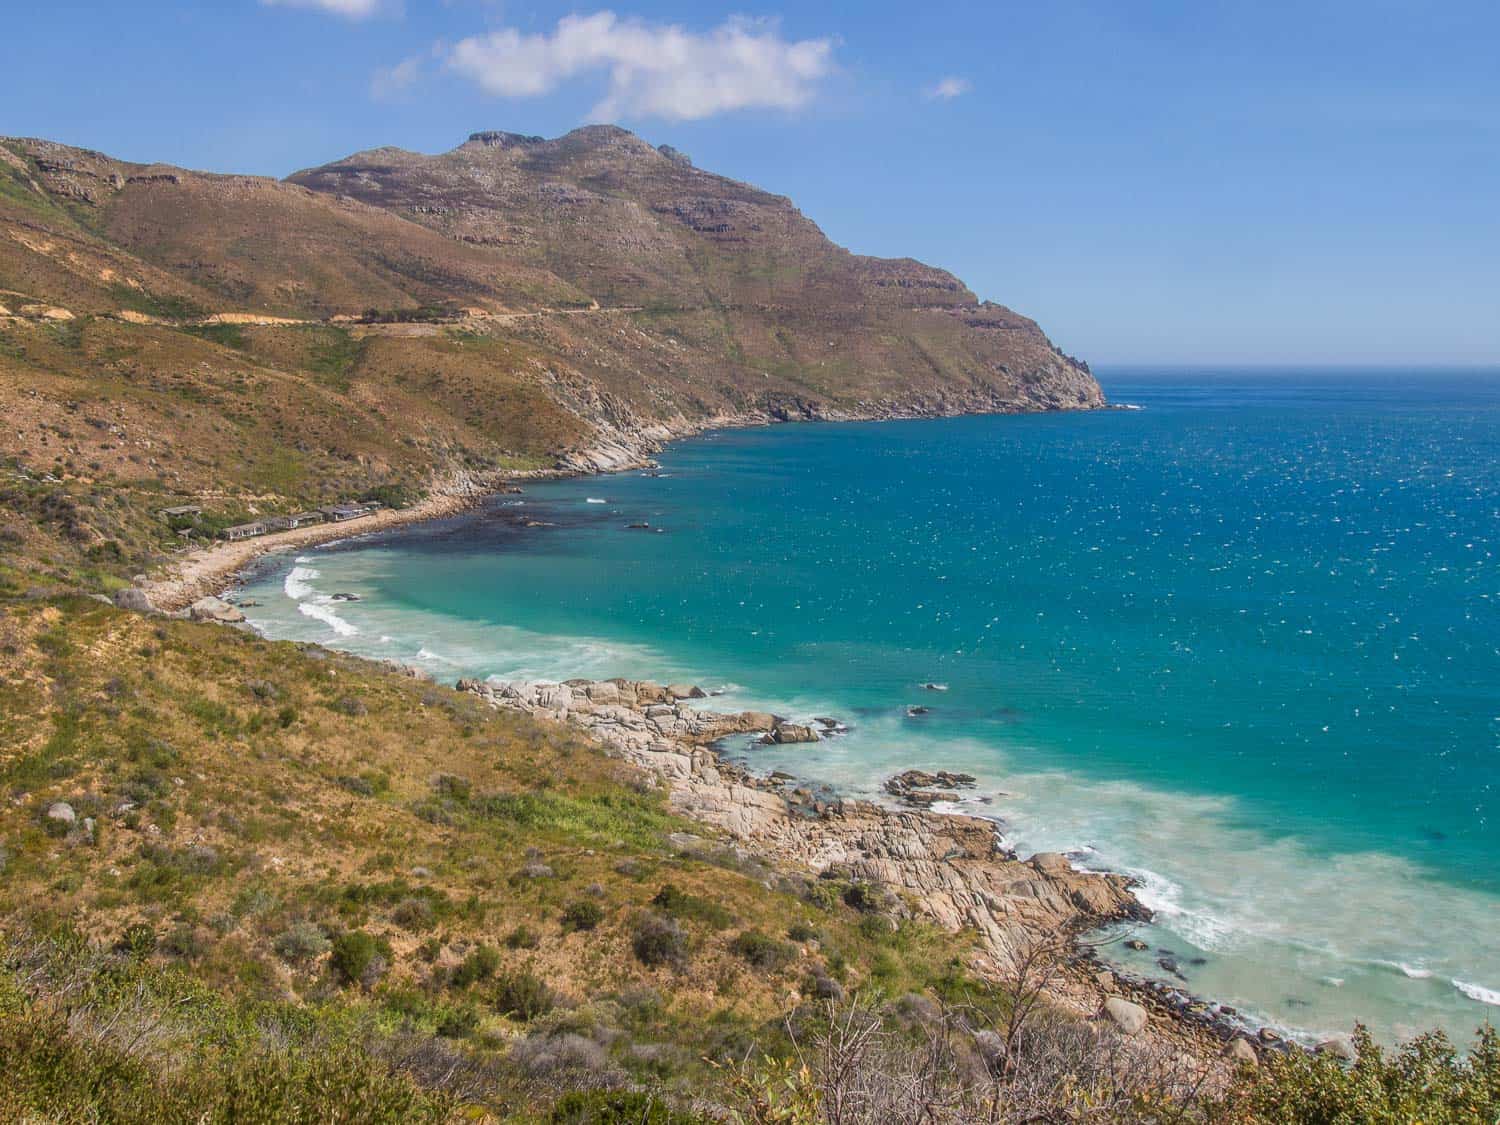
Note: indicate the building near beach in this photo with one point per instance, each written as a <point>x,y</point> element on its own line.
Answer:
<point>245,530</point>
<point>338,513</point>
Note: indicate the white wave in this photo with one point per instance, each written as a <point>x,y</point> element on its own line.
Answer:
<point>1476,992</point>
<point>425,653</point>
<point>597,500</point>
<point>1411,972</point>
<point>328,617</point>
<point>1164,898</point>
<point>298,584</point>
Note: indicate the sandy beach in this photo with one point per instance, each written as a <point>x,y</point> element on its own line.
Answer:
<point>208,570</point>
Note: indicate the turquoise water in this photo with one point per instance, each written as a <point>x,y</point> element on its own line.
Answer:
<point>1243,643</point>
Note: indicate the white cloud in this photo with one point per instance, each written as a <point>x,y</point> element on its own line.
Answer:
<point>392,81</point>
<point>949,88</point>
<point>350,9</point>
<point>654,70</point>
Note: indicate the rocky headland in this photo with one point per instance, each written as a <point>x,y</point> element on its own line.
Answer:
<point>948,868</point>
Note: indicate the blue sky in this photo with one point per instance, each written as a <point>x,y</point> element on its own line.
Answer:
<point>1193,181</point>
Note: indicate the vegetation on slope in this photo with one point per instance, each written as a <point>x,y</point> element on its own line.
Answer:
<point>261,881</point>
<point>302,830</point>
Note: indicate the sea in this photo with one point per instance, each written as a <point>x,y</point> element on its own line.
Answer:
<point>1238,638</point>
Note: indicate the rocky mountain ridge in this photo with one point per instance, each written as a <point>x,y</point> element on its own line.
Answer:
<point>393,319</point>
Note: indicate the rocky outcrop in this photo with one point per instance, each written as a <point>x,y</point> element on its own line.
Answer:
<point>950,869</point>
<point>134,598</point>
<point>786,734</point>
<point>1129,1017</point>
<point>215,609</point>
<point>922,789</point>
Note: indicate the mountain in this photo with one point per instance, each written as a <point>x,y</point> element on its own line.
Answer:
<point>768,308</point>
<point>393,319</point>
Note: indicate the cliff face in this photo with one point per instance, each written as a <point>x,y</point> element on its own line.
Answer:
<point>767,313</point>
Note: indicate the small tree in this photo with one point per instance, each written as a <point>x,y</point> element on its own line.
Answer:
<point>582,915</point>
<point>357,958</point>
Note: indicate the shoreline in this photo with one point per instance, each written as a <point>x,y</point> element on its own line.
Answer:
<point>1190,1021</point>
<point>949,868</point>
<point>209,571</point>
<point>1194,1015</point>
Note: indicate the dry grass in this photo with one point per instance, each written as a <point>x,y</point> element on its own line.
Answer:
<point>236,790</point>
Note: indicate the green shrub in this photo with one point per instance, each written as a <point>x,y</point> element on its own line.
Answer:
<point>522,937</point>
<point>801,931</point>
<point>480,964</point>
<point>761,951</point>
<point>398,495</point>
<point>454,788</point>
<point>51,1074</point>
<point>358,958</point>
<point>679,904</point>
<point>582,915</point>
<point>458,1023</point>
<point>414,914</point>
<point>301,942</point>
<point>184,943</point>
<point>659,940</point>
<point>1424,1080</point>
<point>619,1107</point>
<point>137,941</point>
<point>523,996</point>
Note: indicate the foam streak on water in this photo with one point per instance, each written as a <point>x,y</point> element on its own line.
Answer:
<point>1239,644</point>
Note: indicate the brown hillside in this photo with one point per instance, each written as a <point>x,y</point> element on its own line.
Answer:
<point>402,320</point>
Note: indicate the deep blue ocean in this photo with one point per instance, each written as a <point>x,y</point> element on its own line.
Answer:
<point>1242,642</point>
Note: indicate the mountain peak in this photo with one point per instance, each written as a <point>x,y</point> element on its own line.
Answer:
<point>497,138</point>
<point>585,137</point>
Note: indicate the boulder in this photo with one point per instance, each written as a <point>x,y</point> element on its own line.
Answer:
<point>134,598</point>
<point>1339,1047</point>
<point>783,734</point>
<point>1051,863</point>
<point>757,720</point>
<point>62,812</point>
<point>1240,1052</point>
<point>215,609</point>
<point>991,1047</point>
<point>603,692</point>
<point>1130,1018</point>
<point>686,691</point>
